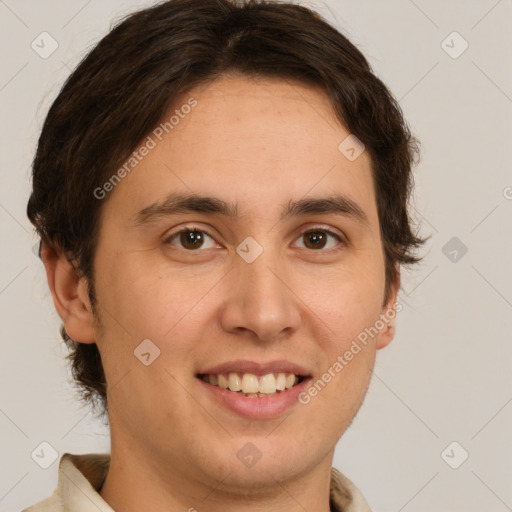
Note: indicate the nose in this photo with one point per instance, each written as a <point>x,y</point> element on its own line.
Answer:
<point>260,303</point>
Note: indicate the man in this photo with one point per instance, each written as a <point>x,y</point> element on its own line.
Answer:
<point>221,190</point>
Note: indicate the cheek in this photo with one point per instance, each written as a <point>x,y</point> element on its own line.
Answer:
<point>344,313</point>
<point>347,300</point>
<point>148,299</point>
<point>346,305</point>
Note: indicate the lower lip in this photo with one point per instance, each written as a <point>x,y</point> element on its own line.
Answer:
<point>257,408</point>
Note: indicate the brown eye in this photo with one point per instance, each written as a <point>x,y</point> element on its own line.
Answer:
<point>318,239</point>
<point>192,240</point>
<point>315,239</point>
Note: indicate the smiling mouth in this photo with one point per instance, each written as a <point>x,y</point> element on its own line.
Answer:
<point>251,385</point>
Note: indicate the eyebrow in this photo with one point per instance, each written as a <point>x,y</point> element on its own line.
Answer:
<point>191,203</point>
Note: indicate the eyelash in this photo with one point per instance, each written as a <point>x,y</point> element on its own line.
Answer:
<point>168,240</point>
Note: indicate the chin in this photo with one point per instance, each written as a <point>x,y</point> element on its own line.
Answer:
<point>257,463</point>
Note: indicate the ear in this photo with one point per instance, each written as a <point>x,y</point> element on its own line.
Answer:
<point>388,315</point>
<point>70,295</point>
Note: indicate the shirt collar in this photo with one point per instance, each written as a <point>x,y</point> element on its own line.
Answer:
<point>80,478</point>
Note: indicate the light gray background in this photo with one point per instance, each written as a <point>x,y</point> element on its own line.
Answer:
<point>447,375</point>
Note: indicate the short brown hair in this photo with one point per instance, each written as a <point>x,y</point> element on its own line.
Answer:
<point>128,82</point>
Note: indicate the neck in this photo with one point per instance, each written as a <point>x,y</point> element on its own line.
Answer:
<point>140,482</point>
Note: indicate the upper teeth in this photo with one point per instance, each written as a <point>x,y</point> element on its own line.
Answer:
<point>250,383</point>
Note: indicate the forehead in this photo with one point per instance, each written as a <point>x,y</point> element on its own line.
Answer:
<point>260,119</point>
<point>255,142</point>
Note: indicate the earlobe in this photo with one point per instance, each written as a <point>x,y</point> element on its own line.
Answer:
<point>386,336</point>
<point>388,315</point>
<point>70,295</point>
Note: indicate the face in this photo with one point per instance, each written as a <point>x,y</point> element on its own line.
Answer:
<point>245,243</point>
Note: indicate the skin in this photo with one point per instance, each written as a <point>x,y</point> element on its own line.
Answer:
<point>264,143</point>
